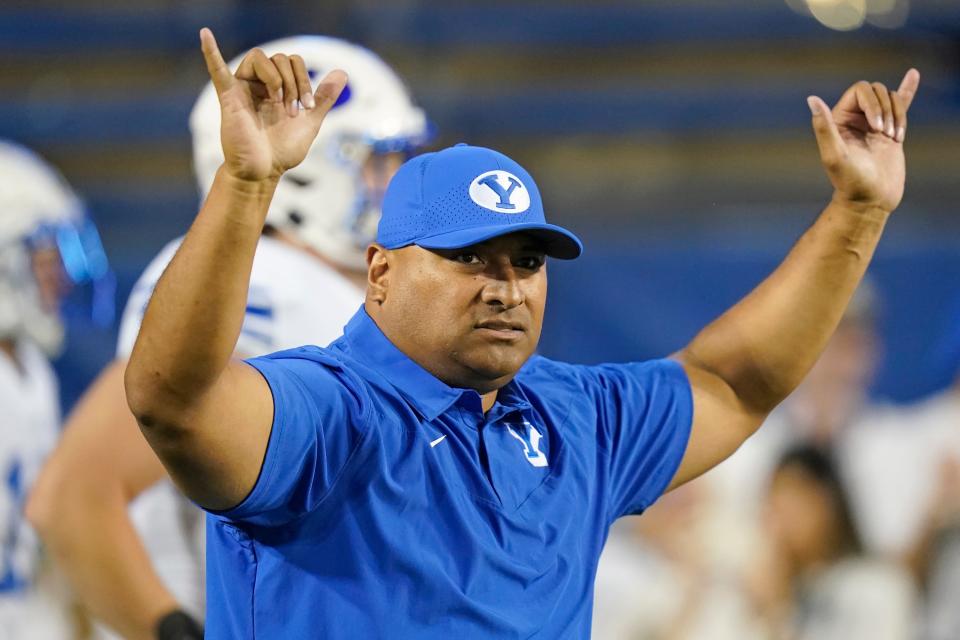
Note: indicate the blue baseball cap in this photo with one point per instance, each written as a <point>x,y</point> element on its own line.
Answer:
<point>464,195</point>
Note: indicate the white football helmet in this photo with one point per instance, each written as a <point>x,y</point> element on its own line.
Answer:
<point>35,200</point>
<point>324,201</point>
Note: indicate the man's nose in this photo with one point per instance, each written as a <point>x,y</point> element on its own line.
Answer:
<point>504,289</point>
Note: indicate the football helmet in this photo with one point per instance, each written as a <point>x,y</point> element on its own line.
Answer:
<point>47,246</point>
<point>327,202</point>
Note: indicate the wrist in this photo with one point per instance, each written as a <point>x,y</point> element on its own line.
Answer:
<point>248,186</point>
<point>862,208</point>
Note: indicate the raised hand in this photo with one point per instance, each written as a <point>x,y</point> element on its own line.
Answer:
<point>262,128</point>
<point>861,141</point>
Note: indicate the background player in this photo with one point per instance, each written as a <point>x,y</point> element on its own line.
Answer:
<point>40,234</point>
<point>137,570</point>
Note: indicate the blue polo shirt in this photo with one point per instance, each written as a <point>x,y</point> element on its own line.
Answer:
<point>390,506</point>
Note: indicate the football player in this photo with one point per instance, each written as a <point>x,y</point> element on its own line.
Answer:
<point>48,250</point>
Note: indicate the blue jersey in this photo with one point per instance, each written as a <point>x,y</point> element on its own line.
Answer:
<point>390,506</point>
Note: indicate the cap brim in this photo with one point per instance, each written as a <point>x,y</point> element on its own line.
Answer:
<point>558,242</point>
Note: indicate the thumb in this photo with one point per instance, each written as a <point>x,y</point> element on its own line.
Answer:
<point>328,92</point>
<point>832,147</point>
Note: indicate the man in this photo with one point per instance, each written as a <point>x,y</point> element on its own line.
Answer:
<point>39,218</point>
<point>424,476</point>
<point>142,572</point>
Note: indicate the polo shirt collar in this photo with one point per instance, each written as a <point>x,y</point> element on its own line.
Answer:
<point>427,393</point>
<point>430,396</point>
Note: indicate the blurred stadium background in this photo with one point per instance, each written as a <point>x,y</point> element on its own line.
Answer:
<point>673,135</point>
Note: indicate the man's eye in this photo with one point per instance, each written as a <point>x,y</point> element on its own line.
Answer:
<point>532,263</point>
<point>467,258</point>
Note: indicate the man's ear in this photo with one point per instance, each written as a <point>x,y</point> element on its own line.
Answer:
<point>378,270</point>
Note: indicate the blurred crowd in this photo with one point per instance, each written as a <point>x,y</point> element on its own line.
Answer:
<point>839,519</point>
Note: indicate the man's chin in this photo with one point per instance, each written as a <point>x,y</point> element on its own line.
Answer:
<point>493,373</point>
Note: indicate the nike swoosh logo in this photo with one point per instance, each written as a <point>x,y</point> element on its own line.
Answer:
<point>438,441</point>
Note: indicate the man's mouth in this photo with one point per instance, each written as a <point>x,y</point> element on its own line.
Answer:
<point>502,329</point>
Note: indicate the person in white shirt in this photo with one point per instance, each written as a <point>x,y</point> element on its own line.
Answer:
<point>922,481</point>
<point>40,260</point>
<point>141,572</point>
<point>817,582</point>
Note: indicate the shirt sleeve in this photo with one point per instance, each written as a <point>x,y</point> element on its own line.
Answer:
<point>319,420</point>
<point>645,416</point>
<point>258,335</point>
<point>139,297</point>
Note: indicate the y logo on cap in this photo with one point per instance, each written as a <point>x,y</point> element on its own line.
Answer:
<point>500,191</point>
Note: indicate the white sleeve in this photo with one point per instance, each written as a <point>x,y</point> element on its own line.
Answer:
<point>140,296</point>
<point>284,309</point>
<point>295,299</point>
<point>259,333</point>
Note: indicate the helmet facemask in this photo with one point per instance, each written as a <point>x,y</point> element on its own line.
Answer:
<point>52,264</point>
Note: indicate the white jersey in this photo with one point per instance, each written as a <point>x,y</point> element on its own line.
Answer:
<point>29,427</point>
<point>294,299</point>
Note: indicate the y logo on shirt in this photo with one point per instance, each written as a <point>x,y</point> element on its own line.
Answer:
<point>530,438</point>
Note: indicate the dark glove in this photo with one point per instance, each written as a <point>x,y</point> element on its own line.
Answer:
<point>178,625</point>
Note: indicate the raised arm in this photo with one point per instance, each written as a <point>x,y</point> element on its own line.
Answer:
<point>208,417</point>
<point>748,360</point>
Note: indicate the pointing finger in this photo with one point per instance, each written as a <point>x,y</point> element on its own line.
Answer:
<point>831,145</point>
<point>257,67</point>
<point>327,93</point>
<point>216,67</point>
<point>908,87</point>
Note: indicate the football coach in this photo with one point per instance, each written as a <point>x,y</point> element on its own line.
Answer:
<point>426,475</point>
